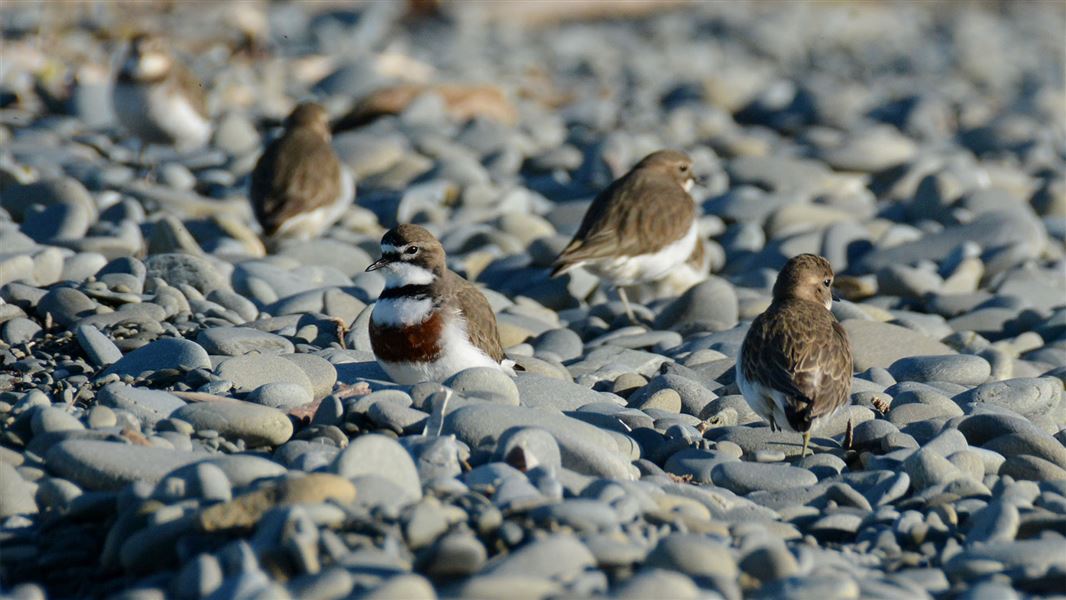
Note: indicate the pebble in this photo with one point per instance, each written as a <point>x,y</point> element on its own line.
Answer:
<point>539,391</point>
<point>584,448</point>
<point>380,456</point>
<point>996,523</point>
<point>16,495</point>
<point>100,465</point>
<point>556,556</point>
<point>664,583</point>
<point>202,411</point>
<point>744,478</point>
<point>66,306</point>
<point>708,306</point>
<point>963,369</point>
<point>238,341</point>
<point>249,372</point>
<point>98,347</point>
<point>150,406</point>
<point>485,383</point>
<point>926,468</point>
<point>876,344</point>
<point>165,353</point>
<point>254,424</point>
<point>282,396</point>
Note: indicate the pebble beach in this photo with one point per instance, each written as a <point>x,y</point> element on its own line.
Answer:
<point>185,413</point>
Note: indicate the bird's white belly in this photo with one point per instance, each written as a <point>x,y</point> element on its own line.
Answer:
<point>313,223</point>
<point>769,403</point>
<point>159,115</point>
<point>643,268</point>
<point>457,354</point>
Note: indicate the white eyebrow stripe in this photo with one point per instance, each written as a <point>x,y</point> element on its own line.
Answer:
<point>389,249</point>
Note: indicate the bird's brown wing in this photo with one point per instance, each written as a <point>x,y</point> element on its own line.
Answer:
<point>480,319</point>
<point>191,88</point>
<point>298,173</point>
<point>799,349</point>
<point>637,214</point>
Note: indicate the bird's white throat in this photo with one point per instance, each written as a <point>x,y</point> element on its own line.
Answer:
<point>398,274</point>
<point>148,66</point>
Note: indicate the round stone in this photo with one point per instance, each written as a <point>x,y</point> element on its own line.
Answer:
<point>746,477</point>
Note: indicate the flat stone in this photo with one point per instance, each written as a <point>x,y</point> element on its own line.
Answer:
<point>963,369</point>
<point>530,446</point>
<point>150,406</point>
<point>995,523</point>
<point>283,396</point>
<point>539,391</point>
<point>991,230</point>
<point>237,341</point>
<point>486,383</point>
<point>20,330</point>
<point>1032,468</point>
<point>558,556</point>
<point>256,425</point>
<point>583,447</point>
<point>1033,443</point>
<point>707,306</point>
<point>1023,395</point>
<point>66,306</point>
<point>177,268</point>
<point>164,353</point>
<point>746,477</point>
<point>456,555</point>
<point>659,583</point>
<point>876,344</point>
<point>16,494</point>
<point>507,587</point>
<point>98,347</point>
<point>927,468</point>
<point>1036,557</point>
<point>321,373</point>
<point>769,563</point>
<point>100,465</point>
<point>694,555</point>
<point>377,455</point>
<point>251,371</point>
<point>51,419</point>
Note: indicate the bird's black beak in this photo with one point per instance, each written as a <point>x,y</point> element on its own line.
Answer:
<point>700,180</point>
<point>381,262</point>
<point>833,293</point>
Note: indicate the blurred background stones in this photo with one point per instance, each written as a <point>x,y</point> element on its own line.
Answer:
<point>184,415</point>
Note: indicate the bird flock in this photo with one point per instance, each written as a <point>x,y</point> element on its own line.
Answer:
<point>429,323</point>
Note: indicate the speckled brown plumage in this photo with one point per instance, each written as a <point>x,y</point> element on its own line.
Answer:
<point>298,173</point>
<point>797,350</point>
<point>641,212</point>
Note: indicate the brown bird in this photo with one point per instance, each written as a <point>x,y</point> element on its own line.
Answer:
<point>638,228</point>
<point>158,99</point>
<point>299,187</point>
<point>429,323</point>
<point>795,364</point>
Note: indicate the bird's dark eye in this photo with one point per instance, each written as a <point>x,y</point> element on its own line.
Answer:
<point>412,250</point>
<point>827,282</point>
<point>684,168</point>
